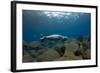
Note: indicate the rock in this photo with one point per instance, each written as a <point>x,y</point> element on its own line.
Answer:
<point>41,51</point>
<point>61,59</point>
<point>78,52</point>
<point>34,44</point>
<point>86,45</point>
<point>71,56</point>
<point>27,57</point>
<point>49,55</point>
<point>60,50</point>
<point>72,47</point>
<point>33,53</point>
<point>58,45</point>
<point>80,38</point>
<point>87,54</point>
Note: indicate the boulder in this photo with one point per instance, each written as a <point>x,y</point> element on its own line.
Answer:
<point>49,55</point>
<point>72,47</point>
<point>71,56</point>
<point>87,54</point>
<point>34,44</point>
<point>27,57</point>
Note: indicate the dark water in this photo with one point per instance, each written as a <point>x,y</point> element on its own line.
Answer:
<point>71,24</point>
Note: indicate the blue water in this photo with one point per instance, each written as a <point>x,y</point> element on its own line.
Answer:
<point>71,24</point>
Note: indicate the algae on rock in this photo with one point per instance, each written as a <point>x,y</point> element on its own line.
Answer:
<point>49,55</point>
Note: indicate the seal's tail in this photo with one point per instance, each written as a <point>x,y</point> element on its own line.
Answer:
<point>41,35</point>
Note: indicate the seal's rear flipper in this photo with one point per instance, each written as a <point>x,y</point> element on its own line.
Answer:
<point>42,40</point>
<point>41,35</point>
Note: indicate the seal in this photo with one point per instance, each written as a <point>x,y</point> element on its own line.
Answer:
<point>53,37</point>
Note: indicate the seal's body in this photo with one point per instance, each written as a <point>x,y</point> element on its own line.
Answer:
<point>53,37</point>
